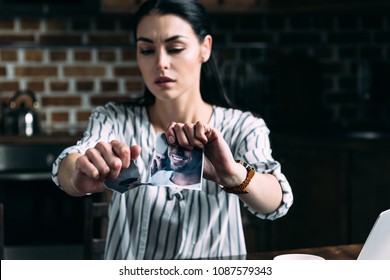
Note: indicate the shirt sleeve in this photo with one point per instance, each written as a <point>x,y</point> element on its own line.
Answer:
<point>100,128</point>
<point>255,149</point>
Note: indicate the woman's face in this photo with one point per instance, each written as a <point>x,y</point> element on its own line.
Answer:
<point>170,56</point>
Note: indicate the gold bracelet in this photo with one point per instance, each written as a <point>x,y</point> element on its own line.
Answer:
<point>241,189</point>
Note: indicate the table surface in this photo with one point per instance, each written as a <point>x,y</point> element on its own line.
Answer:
<point>338,252</point>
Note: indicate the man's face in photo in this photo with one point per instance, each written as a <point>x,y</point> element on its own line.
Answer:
<point>183,160</point>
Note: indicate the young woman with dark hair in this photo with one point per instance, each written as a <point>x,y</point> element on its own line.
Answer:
<point>184,99</point>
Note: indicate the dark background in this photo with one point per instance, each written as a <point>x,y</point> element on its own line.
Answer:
<point>318,73</point>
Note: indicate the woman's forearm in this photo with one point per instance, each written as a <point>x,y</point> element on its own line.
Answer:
<point>66,172</point>
<point>264,193</point>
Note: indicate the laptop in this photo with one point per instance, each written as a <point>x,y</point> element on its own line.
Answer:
<point>377,245</point>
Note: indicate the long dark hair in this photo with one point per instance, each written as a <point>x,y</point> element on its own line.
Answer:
<point>211,87</point>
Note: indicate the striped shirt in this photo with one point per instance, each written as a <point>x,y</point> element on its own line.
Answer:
<point>152,222</point>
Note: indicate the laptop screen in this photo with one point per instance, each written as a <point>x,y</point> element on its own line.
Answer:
<point>377,245</point>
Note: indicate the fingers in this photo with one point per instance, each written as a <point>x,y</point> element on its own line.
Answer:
<point>187,135</point>
<point>121,151</point>
<point>201,131</point>
<point>135,151</point>
<point>106,160</point>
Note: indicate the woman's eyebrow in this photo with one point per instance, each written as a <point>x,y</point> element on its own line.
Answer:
<point>143,39</point>
<point>170,39</point>
<point>174,38</point>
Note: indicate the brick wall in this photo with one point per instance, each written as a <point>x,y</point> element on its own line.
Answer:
<point>281,63</point>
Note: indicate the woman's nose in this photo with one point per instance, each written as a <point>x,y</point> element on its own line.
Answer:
<point>162,60</point>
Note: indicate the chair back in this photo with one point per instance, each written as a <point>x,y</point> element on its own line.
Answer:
<point>96,215</point>
<point>1,231</point>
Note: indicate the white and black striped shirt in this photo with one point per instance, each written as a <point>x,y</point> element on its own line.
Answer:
<point>152,222</point>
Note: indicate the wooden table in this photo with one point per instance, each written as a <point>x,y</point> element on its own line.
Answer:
<point>338,252</point>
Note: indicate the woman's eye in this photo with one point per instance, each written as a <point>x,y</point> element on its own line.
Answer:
<point>175,50</point>
<point>146,52</point>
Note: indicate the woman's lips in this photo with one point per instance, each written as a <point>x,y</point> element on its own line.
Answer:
<point>164,81</point>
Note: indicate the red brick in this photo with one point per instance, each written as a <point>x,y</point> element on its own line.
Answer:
<point>107,56</point>
<point>35,71</point>
<point>33,55</point>
<point>61,101</point>
<point>82,56</point>
<point>9,86</point>
<point>83,116</point>
<point>126,71</point>
<point>109,86</point>
<point>85,86</point>
<point>98,39</point>
<point>11,38</point>
<point>58,55</point>
<point>8,55</point>
<point>61,39</point>
<point>30,24</point>
<point>60,116</point>
<point>59,86</point>
<point>36,85</point>
<point>6,24</point>
<point>85,71</point>
<point>129,55</point>
<point>56,24</point>
<point>134,86</point>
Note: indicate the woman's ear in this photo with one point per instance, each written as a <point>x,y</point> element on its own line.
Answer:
<point>206,48</point>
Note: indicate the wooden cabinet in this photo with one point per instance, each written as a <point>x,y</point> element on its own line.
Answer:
<point>340,185</point>
<point>250,6</point>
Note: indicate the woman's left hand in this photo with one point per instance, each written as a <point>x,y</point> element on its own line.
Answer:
<point>219,165</point>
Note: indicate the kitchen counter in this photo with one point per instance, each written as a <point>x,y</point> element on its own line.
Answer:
<point>60,138</point>
<point>32,156</point>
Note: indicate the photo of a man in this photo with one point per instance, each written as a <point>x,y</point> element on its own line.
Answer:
<point>175,166</point>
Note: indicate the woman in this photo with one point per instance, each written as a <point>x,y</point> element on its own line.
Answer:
<point>184,99</point>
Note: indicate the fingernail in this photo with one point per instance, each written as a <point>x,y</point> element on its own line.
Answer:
<point>171,139</point>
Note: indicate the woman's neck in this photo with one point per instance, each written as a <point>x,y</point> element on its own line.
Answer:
<point>162,113</point>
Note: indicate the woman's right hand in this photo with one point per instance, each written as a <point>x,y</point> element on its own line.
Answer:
<point>100,163</point>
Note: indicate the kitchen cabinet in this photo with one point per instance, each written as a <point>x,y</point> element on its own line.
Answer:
<point>250,6</point>
<point>340,185</point>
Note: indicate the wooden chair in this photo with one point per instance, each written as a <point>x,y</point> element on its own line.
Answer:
<point>96,217</point>
<point>1,231</point>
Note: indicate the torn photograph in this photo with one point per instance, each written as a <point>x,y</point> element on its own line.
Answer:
<point>176,166</point>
